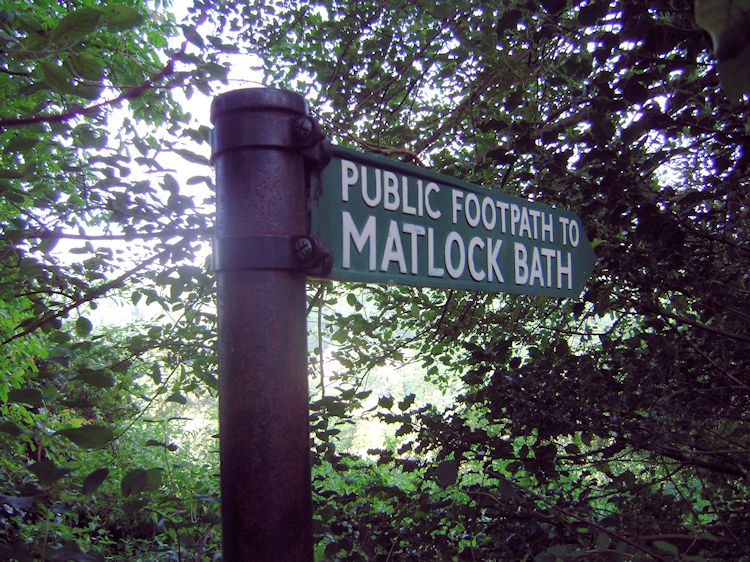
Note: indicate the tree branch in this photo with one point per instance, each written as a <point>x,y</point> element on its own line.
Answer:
<point>166,233</point>
<point>459,110</point>
<point>564,123</point>
<point>92,294</point>
<point>655,309</point>
<point>135,92</point>
<point>577,517</point>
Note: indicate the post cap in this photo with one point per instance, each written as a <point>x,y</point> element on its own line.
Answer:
<point>248,99</point>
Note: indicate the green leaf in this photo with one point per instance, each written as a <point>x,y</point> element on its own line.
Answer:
<point>153,479</point>
<point>176,397</point>
<point>194,37</point>
<point>191,156</point>
<point>386,402</point>
<point>134,482</point>
<point>96,377</point>
<point>155,443</point>
<point>446,472</point>
<point>404,404</point>
<point>209,379</point>
<point>46,245</point>
<point>94,480</point>
<point>30,396</point>
<point>21,143</point>
<point>58,77</point>
<point>76,25</point>
<point>667,547</point>
<point>602,542</point>
<point>171,184</point>
<point>119,17</point>
<point>88,436</point>
<point>83,326</point>
<point>47,472</point>
<point>194,180</point>
<point>86,66</point>
<point>10,428</point>
<point>19,502</point>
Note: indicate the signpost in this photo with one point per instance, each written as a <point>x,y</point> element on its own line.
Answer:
<point>259,142</point>
<point>389,222</point>
<point>283,214</point>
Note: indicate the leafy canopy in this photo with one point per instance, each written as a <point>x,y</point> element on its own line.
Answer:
<point>613,426</point>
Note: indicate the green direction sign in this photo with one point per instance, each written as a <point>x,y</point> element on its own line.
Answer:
<point>390,222</point>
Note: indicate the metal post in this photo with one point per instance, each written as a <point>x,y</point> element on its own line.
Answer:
<point>263,396</point>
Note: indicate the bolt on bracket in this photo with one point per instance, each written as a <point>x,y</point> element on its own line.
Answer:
<point>291,253</point>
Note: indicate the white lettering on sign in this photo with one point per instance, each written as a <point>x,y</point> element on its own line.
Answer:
<point>351,235</point>
<point>536,272</point>
<point>432,270</point>
<point>476,273</point>
<point>396,224</point>
<point>405,243</point>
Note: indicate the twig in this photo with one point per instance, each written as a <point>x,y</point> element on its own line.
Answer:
<point>166,233</point>
<point>320,340</point>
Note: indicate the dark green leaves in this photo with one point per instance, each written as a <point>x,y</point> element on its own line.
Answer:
<point>80,191</point>
<point>75,26</point>
<point>154,443</point>
<point>47,472</point>
<point>176,397</point>
<point>407,402</point>
<point>10,428</point>
<point>30,396</point>
<point>191,156</point>
<point>120,17</point>
<point>86,65</point>
<point>88,436</point>
<point>58,77</point>
<point>133,482</point>
<point>94,480</point>
<point>385,402</point>
<point>446,472</point>
<point>20,143</point>
<point>19,502</point>
<point>96,377</point>
<point>139,480</point>
<point>83,326</point>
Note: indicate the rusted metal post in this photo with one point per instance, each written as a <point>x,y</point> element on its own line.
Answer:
<point>261,224</point>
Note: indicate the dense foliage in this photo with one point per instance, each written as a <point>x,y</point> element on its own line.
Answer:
<point>611,427</point>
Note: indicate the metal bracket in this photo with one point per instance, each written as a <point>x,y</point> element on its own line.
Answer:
<point>316,149</point>
<point>300,133</point>
<point>317,152</point>
<point>290,253</point>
